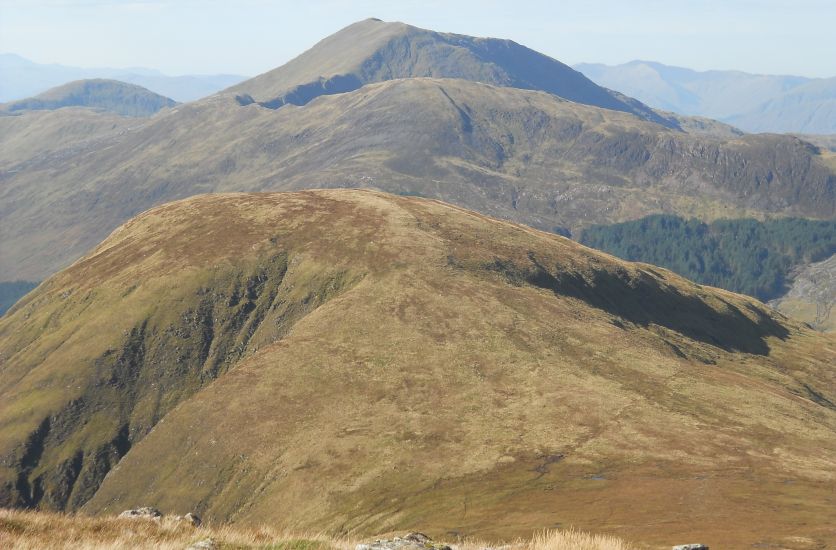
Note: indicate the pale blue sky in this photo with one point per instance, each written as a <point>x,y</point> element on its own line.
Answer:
<point>252,36</point>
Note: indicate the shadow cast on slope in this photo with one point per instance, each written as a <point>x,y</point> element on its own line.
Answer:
<point>645,300</point>
<point>305,93</point>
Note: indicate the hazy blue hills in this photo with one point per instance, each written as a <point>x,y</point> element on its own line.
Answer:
<point>752,102</point>
<point>809,108</point>
<point>21,78</point>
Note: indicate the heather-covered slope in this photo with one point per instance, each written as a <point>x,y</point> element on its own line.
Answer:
<point>523,155</point>
<point>349,360</point>
<point>111,96</point>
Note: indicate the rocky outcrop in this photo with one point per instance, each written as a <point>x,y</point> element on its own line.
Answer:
<point>190,518</point>
<point>411,541</point>
<point>812,295</point>
<point>145,512</point>
<point>696,546</point>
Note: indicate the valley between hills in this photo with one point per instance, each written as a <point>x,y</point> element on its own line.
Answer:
<point>348,297</point>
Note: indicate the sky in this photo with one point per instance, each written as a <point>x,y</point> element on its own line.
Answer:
<point>249,37</point>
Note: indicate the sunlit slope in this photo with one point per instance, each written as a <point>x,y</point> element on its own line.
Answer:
<point>351,360</point>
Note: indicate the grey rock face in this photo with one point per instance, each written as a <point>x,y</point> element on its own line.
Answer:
<point>145,512</point>
<point>691,547</point>
<point>411,541</point>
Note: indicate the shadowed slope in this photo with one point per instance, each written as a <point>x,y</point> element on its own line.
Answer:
<point>368,362</point>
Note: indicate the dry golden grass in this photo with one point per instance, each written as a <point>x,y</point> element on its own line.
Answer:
<point>462,374</point>
<point>25,530</point>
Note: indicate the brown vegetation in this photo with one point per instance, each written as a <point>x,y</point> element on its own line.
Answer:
<point>20,530</point>
<point>363,362</point>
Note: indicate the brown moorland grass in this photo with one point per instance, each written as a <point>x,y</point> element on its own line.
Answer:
<point>27,530</point>
<point>355,362</point>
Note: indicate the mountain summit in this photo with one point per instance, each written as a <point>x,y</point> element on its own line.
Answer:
<point>373,51</point>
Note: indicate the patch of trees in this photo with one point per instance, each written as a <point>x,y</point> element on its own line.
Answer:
<point>741,255</point>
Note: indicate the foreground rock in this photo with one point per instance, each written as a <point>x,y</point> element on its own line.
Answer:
<point>691,547</point>
<point>207,544</point>
<point>412,541</point>
<point>148,512</point>
<point>190,518</point>
<point>142,513</point>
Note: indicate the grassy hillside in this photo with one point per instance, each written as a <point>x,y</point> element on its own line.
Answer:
<point>104,95</point>
<point>44,531</point>
<point>522,155</point>
<point>749,256</point>
<point>365,363</point>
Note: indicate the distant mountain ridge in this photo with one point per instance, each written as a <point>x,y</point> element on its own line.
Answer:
<point>752,102</point>
<point>809,108</point>
<point>524,155</point>
<point>21,78</point>
<point>104,95</point>
<point>374,51</point>
<point>531,156</point>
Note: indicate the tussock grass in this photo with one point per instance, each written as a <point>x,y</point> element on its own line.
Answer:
<point>567,540</point>
<point>26,530</point>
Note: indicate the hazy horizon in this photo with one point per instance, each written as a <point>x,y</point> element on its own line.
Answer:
<point>254,36</point>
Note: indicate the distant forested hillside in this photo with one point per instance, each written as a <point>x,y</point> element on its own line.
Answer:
<point>743,255</point>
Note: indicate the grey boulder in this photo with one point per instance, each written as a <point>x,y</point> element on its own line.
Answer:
<point>145,512</point>
<point>206,544</point>
<point>412,541</point>
<point>190,518</point>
